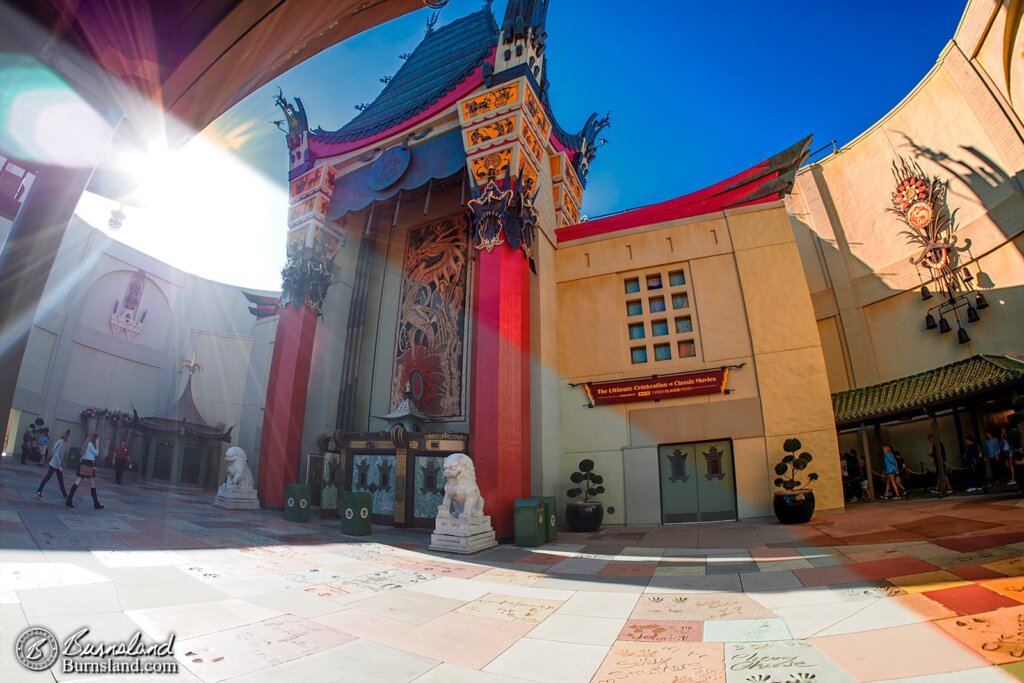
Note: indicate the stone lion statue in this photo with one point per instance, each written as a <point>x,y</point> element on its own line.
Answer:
<point>460,490</point>
<point>239,475</point>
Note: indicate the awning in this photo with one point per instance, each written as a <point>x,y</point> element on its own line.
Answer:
<point>441,157</point>
<point>916,392</point>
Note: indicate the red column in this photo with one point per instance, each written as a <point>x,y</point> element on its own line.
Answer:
<point>499,438</point>
<point>281,441</point>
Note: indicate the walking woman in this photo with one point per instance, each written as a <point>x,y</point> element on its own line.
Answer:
<point>56,467</point>
<point>892,468</point>
<point>87,470</point>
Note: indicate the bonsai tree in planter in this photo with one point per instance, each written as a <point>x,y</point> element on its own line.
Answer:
<point>582,513</point>
<point>794,504</point>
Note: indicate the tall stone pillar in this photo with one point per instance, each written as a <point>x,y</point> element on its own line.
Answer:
<point>503,129</point>
<point>312,244</point>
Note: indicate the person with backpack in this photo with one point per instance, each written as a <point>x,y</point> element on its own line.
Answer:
<point>56,466</point>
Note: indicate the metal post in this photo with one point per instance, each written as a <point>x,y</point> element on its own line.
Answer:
<point>867,459</point>
<point>940,461</point>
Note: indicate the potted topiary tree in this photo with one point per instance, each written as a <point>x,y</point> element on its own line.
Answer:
<point>794,504</point>
<point>582,513</point>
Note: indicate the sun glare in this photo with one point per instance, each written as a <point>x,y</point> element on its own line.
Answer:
<point>194,200</point>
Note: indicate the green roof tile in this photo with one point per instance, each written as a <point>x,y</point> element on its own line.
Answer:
<point>926,388</point>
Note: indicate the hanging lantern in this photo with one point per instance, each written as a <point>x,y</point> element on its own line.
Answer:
<point>979,301</point>
<point>961,336</point>
<point>972,314</point>
<point>925,294</point>
<point>944,325</point>
<point>929,322</point>
<point>967,275</point>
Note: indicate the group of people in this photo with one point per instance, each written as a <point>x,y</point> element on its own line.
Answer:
<point>86,467</point>
<point>35,443</point>
<point>993,453</point>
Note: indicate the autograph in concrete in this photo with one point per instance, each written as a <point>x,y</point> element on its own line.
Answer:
<point>37,650</point>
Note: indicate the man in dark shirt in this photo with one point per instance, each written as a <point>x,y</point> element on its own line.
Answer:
<point>27,439</point>
<point>974,464</point>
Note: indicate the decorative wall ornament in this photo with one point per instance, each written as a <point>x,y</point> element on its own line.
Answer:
<point>489,208</point>
<point>713,458</point>
<point>126,318</point>
<point>389,168</point>
<point>430,339</point>
<point>921,203</point>
<point>305,280</point>
<point>511,213</point>
<point>677,465</point>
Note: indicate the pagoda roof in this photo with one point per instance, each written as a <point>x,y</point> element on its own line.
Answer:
<point>405,408</point>
<point>770,180</point>
<point>906,395</point>
<point>184,415</point>
<point>444,58</point>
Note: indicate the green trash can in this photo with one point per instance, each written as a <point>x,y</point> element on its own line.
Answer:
<point>296,503</point>
<point>530,522</point>
<point>356,510</point>
<point>550,518</point>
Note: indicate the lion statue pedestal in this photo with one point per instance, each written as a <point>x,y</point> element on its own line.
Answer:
<point>461,525</point>
<point>237,492</point>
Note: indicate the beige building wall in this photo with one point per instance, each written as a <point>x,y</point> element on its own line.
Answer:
<point>962,124</point>
<point>749,305</point>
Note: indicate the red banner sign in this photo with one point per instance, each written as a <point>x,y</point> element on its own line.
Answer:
<point>658,388</point>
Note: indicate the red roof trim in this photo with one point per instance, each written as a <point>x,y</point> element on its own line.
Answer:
<point>736,191</point>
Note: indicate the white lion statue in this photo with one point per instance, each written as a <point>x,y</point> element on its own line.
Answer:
<point>461,490</point>
<point>239,475</point>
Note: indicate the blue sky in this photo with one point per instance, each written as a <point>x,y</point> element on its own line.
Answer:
<point>697,91</point>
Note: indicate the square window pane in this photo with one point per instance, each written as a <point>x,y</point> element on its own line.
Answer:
<point>654,281</point>
<point>638,354</point>
<point>659,328</point>
<point>676,278</point>
<point>684,325</point>
<point>657,304</point>
<point>636,331</point>
<point>634,308</point>
<point>662,352</point>
<point>632,285</point>
<point>680,301</point>
<point>687,348</point>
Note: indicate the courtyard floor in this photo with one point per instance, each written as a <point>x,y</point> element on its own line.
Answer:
<point>919,590</point>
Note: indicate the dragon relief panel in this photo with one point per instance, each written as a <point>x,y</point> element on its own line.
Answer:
<point>430,341</point>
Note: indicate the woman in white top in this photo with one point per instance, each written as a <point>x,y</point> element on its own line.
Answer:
<point>56,467</point>
<point>87,470</point>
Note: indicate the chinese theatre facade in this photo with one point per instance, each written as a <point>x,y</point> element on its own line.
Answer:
<point>441,295</point>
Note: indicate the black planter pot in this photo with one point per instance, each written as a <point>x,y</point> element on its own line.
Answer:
<point>584,516</point>
<point>794,507</point>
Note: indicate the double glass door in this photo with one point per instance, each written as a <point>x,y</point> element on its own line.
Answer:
<point>698,482</point>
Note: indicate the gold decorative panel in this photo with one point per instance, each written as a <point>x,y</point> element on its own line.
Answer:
<point>490,131</point>
<point>535,110</point>
<point>489,101</point>
<point>430,342</point>
<point>532,143</point>
<point>496,161</point>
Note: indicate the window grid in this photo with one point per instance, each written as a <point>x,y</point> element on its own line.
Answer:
<point>675,335</point>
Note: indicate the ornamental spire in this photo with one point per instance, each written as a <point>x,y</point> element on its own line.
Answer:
<point>523,36</point>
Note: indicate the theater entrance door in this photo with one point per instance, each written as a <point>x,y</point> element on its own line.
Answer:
<point>698,482</point>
